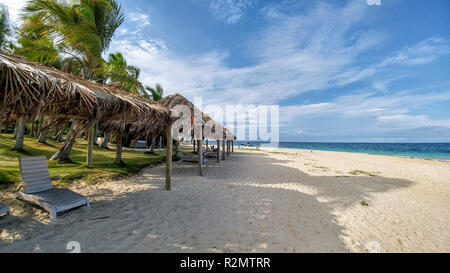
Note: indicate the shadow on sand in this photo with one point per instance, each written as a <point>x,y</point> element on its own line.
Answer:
<point>249,203</point>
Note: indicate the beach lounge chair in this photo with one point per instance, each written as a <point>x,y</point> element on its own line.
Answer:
<point>4,209</point>
<point>211,154</point>
<point>187,158</point>
<point>39,191</point>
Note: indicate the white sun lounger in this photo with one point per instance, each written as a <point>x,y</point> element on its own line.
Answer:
<point>211,154</point>
<point>39,191</point>
<point>4,209</point>
<point>187,158</point>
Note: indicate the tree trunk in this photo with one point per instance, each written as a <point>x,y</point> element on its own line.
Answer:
<point>59,135</point>
<point>160,142</point>
<point>94,139</point>
<point>15,128</point>
<point>39,126</point>
<point>20,134</point>
<point>106,140</point>
<point>32,129</point>
<point>119,149</point>
<point>44,129</point>
<point>64,152</point>
<point>152,146</point>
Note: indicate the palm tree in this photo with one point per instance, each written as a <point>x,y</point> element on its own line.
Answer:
<point>83,30</point>
<point>117,70</point>
<point>156,93</point>
<point>5,29</point>
<point>4,32</point>
<point>133,84</point>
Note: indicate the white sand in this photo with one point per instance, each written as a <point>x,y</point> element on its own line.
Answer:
<point>293,201</point>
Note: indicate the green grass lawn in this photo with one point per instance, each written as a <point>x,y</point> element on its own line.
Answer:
<point>64,173</point>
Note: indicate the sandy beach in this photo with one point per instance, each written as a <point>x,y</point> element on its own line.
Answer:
<point>276,200</point>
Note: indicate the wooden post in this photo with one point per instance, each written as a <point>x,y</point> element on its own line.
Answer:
<point>195,150</point>
<point>90,145</point>
<point>200,158</point>
<point>207,145</point>
<point>228,148</point>
<point>223,149</point>
<point>169,159</point>
<point>177,144</point>
<point>218,151</point>
<point>119,149</point>
<point>232,146</point>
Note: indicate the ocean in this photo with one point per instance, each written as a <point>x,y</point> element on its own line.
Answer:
<point>435,151</point>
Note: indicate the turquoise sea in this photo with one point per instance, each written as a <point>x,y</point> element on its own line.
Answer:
<point>435,151</point>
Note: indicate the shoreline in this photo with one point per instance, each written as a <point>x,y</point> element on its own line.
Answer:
<point>364,153</point>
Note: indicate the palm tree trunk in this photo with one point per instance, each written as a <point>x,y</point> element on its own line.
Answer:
<point>15,129</point>
<point>32,129</point>
<point>20,134</point>
<point>95,133</point>
<point>152,146</point>
<point>39,126</point>
<point>60,134</point>
<point>106,140</point>
<point>119,149</point>
<point>64,152</point>
<point>44,129</point>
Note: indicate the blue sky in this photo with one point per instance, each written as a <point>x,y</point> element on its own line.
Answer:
<point>340,70</point>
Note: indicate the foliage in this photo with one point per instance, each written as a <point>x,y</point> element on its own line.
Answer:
<point>64,173</point>
<point>156,93</point>
<point>80,30</point>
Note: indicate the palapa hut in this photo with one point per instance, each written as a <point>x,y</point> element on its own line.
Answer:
<point>177,99</point>
<point>28,89</point>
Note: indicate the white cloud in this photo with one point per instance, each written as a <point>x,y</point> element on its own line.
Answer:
<point>421,53</point>
<point>296,54</point>
<point>141,20</point>
<point>231,11</point>
<point>14,8</point>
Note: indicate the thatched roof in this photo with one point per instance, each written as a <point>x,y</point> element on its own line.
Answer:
<point>177,99</point>
<point>28,89</point>
<point>228,135</point>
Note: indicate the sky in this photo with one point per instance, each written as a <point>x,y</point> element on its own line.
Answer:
<point>340,70</point>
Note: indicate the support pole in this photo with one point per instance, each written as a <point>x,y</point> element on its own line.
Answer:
<point>90,145</point>
<point>200,158</point>
<point>119,147</point>
<point>169,158</point>
<point>223,149</point>
<point>218,151</point>
<point>207,145</point>
<point>195,150</point>
<point>232,146</point>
